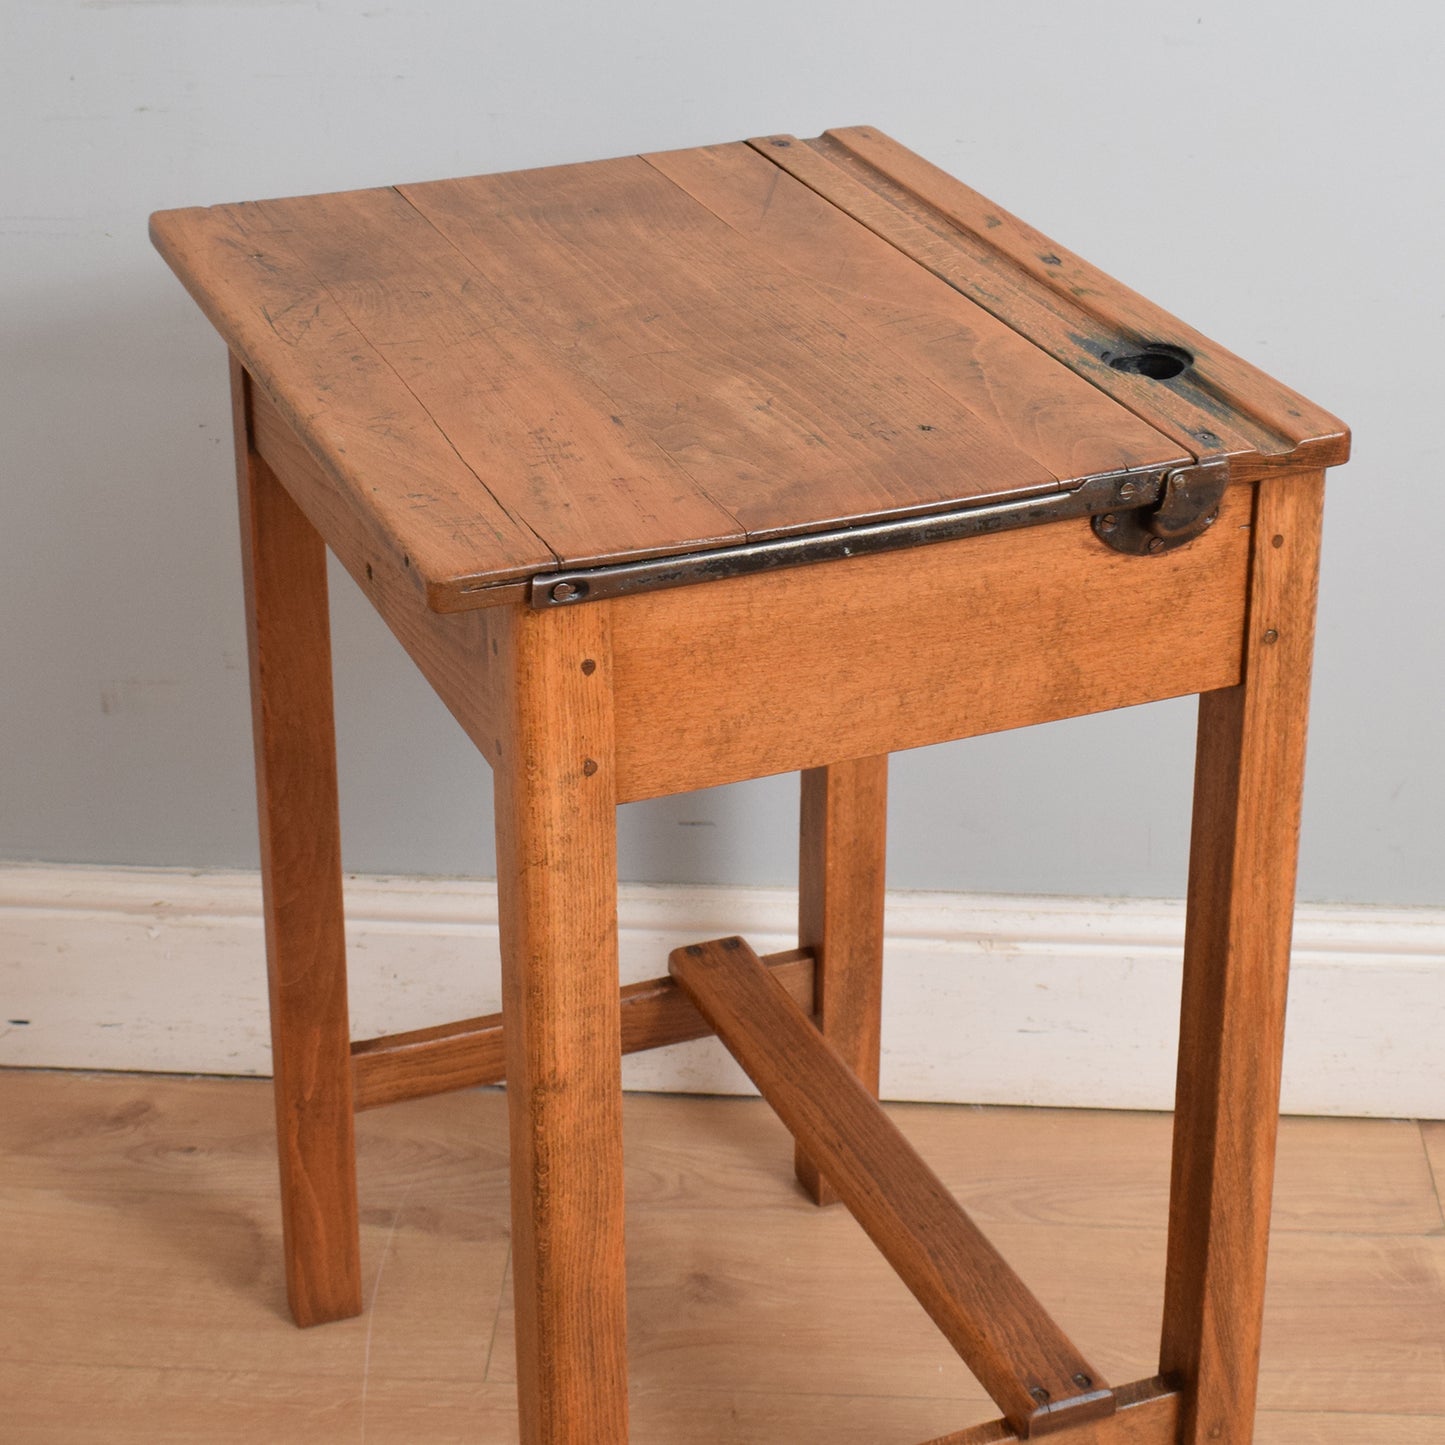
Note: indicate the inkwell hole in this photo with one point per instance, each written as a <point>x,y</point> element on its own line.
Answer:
<point>1156,360</point>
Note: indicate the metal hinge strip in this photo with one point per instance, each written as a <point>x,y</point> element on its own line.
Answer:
<point>1111,493</point>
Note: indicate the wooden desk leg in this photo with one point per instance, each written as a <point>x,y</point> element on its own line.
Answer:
<point>1236,964</point>
<point>285,569</point>
<point>840,916</point>
<point>557,878</point>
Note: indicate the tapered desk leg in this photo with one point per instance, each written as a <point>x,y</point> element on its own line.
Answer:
<point>285,569</point>
<point>557,879</point>
<point>840,916</point>
<point>1236,963</point>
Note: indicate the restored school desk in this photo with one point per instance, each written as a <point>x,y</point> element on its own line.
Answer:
<point>684,468</point>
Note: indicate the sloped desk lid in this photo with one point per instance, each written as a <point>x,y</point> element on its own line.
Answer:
<point>584,365</point>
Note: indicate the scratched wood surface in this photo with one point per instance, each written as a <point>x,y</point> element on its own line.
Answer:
<point>1043,408</point>
<point>499,375</point>
<point>737,368</point>
<point>1076,313</point>
<point>395,473</point>
<point>144,1293</point>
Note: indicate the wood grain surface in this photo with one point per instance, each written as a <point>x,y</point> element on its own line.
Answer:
<point>1073,311</point>
<point>456,652</point>
<point>1248,780</point>
<point>471,1052</point>
<point>393,470</point>
<point>842,860</point>
<point>1030,1369</point>
<point>542,434</point>
<point>289,642</point>
<point>743,374</point>
<point>556,809</point>
<point>1075,429</point>
<point>144,1293</point>
<point>1057,623</point>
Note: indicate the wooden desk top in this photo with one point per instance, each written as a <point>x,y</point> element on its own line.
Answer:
<point>507,375</point>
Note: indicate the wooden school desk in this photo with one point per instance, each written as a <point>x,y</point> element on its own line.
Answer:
<point>685,468</point>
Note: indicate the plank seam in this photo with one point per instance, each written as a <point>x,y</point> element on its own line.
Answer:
<point>542,341</point>
<point>275,238</point>
<point>880,342</point>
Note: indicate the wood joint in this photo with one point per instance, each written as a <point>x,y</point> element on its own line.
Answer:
<point>1147,1413</point>
<point>471,1052</point>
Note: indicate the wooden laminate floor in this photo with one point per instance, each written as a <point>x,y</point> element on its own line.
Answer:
<point>141,1294</point>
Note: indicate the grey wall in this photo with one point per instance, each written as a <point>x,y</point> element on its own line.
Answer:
<point>1270,171</point>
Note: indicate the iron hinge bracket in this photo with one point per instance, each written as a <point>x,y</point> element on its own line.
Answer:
<point>1187,507</point>
<point>1174,499</point>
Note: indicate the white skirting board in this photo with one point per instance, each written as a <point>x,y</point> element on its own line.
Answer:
<point>988,999</point>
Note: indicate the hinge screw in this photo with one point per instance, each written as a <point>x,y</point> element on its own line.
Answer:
<point>1082,1380</point>
<point>1271,636</point>
<point>1108,522</point>
<point>1039,1393</point>
<point>1156,545</point>
<point>564,591</point>
<point>1127,490</point>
